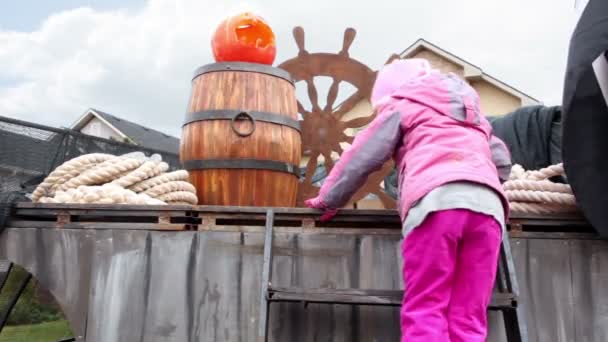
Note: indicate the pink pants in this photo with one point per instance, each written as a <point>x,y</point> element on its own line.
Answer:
<point>450,264</point>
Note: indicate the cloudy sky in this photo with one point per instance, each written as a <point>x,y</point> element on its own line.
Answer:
<point>135,58</point>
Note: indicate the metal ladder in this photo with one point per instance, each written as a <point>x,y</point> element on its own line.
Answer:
<point>504,299</point>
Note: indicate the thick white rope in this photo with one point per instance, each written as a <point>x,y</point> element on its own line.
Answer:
<point>170,187</point>
<point>102,174</point>
<point>77,171</point>
<point>541,208</point>
<point>104,165</point>
<point>67,170</point>
<point>146,170</point>
<point>544,185</point>
<point>518,172</point>
<point>180,175</point>
<point>531,192</point>
<point>540,197</point>
<point>104,178</point>
<point>179,196</point>
<point>108,193</point>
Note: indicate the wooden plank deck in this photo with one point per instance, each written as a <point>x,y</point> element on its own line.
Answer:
<point>182,217</point>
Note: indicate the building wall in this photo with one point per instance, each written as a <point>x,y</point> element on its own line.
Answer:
<point>494,101</point>
<point>362,109</point>
<point>370,203</point>
<point>439,62</point>
<point>97,128</point>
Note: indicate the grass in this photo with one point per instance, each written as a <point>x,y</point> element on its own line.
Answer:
<point>35,304</point>
<point>37,317</point>
<point>43,332</point>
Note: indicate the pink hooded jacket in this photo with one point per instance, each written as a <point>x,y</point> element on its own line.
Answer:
<point>431,124</point>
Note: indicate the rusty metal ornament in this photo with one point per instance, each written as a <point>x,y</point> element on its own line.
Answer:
<point>323,129</point>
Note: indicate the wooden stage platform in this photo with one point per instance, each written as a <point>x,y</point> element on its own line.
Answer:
<point>181,273</point>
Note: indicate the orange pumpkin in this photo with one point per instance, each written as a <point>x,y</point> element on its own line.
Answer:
<point>244,38</point>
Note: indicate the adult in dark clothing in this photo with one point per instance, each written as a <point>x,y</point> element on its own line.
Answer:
<point>585,122</point>
<point>533,135</point>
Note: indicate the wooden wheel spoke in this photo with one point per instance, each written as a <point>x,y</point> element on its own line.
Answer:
<point>387,201</point>
<point>359,195</point>
<point>298,35</point>
<point>329,163</point>
<point>301,109</point>
<point>349,104</point>
<point>311,167</point>
<point>359,122</point>
<point>349,36</point>
<point>338,148</point>
<point>348,139</point>
<point>313,95</point>
<point>332,94</point>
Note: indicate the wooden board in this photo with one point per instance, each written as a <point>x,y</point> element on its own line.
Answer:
<point>102,216</point>
<point>184,217</point>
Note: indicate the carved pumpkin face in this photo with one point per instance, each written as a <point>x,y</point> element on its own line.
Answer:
<point>244,38</point>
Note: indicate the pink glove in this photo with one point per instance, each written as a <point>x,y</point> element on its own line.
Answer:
<point>317,203</point>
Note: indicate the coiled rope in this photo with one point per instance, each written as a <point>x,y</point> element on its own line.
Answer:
<point>132,178</point>
<point>532,192</point>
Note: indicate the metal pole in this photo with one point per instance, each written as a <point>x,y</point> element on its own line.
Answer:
<point>266,278</point>
<point>5,269</point>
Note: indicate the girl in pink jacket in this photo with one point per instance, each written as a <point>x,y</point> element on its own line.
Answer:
<point>451,200</point>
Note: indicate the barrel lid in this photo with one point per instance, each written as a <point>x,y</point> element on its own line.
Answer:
<point>245,67</point>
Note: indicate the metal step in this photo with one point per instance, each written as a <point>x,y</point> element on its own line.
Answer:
<point>500,301</point>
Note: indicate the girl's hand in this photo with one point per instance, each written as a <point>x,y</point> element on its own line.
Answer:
<point>317,203</point>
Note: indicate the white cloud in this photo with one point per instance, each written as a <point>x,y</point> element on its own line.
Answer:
<point>138,64</point>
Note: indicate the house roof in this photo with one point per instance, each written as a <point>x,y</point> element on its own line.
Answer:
<point>471,71</point>
<point>140,135</point>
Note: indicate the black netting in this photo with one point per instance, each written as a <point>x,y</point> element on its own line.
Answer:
<point>6,202</point>
<point>28,152</point>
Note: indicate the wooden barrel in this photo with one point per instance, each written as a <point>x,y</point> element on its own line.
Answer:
<point>241,140</point>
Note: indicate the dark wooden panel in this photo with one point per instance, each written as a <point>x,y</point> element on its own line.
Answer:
<point>380,265</point>
<point>97,225</point>
<point>544,273</point>
<point>204,285</point>
<point>69,216</point>
<point>91,206</point>
<point>119,281</point>
<point>590,285</point>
